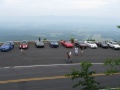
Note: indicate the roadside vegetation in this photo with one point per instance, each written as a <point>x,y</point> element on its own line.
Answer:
<point>86,78</point>
<point>113,66</point>
<point>118,26</point>
<point>72,39</point>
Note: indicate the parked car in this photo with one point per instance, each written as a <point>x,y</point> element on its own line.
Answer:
<point>102,44</point>
<point>39,44</point>
<point>7,46</point>
<point>54,44</point>
<point>62,42</point>
<point>91,44</point>
<point>67,44</point>
<point>113,45</point>
<point>81,44</point>
<point>24,44</point>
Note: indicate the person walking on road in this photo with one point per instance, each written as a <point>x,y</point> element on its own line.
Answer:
<point>76,51</point>
<point>69,57</point>
<point>81,50</point>
<point>22,51</point>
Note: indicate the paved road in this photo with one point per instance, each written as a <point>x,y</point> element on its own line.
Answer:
<point>49,77</point>
<point>44,68</point>
<point>48,55</point>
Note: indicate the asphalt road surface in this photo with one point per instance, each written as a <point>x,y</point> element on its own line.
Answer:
<point>49,77</point>
<point>48,55</point>
<point>44,68</point>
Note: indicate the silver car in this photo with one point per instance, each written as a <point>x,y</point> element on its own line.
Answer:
<point>39,44</point>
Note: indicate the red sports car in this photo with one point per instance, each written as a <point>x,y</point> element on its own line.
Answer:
<point>62,42</point>
<point>67,44</point>
<point>24,44</point>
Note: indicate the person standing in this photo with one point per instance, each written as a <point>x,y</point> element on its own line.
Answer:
<point>81,49</point>
<point>76,51</point>
<point>39,39</point>
<point>69,57</point>
<point>22,51</point>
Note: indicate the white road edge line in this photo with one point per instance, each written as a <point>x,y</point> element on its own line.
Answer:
<point>53,65</point>
<point>6,67</point>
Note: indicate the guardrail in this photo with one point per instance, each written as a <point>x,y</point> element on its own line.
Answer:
<point>33,42</point>
<point>30,42</point>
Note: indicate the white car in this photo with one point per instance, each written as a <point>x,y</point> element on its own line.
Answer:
<point>91,44</point>
<point>113,45</point>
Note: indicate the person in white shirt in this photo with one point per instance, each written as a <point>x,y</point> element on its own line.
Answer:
<point>69,57</point>
<point>76,51</point>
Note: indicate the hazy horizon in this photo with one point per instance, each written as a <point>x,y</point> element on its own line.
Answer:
<point>59,28</point>
<point>29,19</point>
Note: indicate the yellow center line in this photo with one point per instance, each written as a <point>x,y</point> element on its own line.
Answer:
<point>42,78</point>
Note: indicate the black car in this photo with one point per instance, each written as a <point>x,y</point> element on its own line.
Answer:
<point>39,44</point>
<point>81,44</point>
<point>54,44</point>
<point>102,44</point>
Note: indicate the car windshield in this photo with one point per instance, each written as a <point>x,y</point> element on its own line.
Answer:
<point>91,42</point>
<point>39,41</point>
<point>24,42</point>
<point>53,41</point>
<point>114,43</point>
<point>68,42</point>
<point>6,43</point>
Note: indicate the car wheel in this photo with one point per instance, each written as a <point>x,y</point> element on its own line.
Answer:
<point>114,48</point>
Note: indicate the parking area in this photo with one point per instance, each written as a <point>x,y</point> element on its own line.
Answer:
<point>48,55</point>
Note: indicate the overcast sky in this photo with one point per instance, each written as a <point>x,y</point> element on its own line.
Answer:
<point>97,8</point>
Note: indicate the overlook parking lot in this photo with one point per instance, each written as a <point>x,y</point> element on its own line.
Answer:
<point>48,55</point>
<point>17,72</point>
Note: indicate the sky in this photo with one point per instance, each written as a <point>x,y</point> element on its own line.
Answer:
<point>95,8</point>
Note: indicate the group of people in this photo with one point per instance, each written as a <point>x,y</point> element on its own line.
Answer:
<point>68,53</point>
<point>76,54</point>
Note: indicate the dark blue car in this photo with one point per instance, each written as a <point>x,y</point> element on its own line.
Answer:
<point>7,46</point>
<point>54,44</point>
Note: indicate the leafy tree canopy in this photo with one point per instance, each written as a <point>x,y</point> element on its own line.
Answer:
<point>118,26</point>
<point>86,80</point>
<point>114,66</point>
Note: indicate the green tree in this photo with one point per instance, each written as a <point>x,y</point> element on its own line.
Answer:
<point>91,40</point>
<point>113,66</point>
<point>118,26</point>
<point>86,80</point>
<point>45,39</point>
<point>72,39</point>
